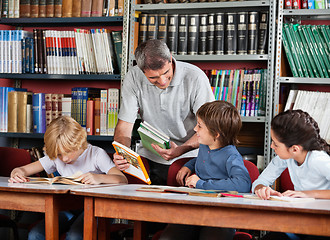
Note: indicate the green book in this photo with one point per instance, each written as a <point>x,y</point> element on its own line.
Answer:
<point>150,135</point>
<point>117,42</point>
<point>317,51</point>
<point>289,55</point>
<point>311,48</point>
<point>319,42</point>
<point>301,56</point>
<point>325,39</point>
<point>308,52</point>
<point>293,49</point>
<point>307,65</point>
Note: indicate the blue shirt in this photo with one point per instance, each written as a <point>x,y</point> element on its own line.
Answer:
<point>220,169</point>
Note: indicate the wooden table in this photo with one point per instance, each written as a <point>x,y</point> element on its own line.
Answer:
<point>49,199</point>
<point>126,203</point>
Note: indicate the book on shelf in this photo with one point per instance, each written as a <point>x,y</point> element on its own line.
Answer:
<point>24,8</point>
<point>231,33</point>
<point>150,135</point>
<point>162,27</point>
<point>117,43</point>
<point>202,34</point>
<point>76,8</point>
<point>34,8</point>
<point>242,33</point>
<point>86,8</point>
<point>90,117</point>
<point>172,33</point>
<point>253,27</point>
<point>97,8</point>
<point>210,34</point>
<point>143,27</point>
<point>50,8</point>
<point>152,26</point>
<point>193,34</point>
<point>136,166</point>
<point>263,32</point>
<point>12,111</point>
<point>103,112</point>
<point>183,34</point>
<point>113,108</point>
<point>97,116</point>
<point>42,8</point>
<point>75,179</point>
<point>39,113</point>
<point>219,34</point>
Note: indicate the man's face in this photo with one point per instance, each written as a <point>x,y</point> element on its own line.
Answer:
<point>161,78</point>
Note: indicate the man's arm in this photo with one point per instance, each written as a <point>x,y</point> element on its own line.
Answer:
<point>175,150</point>
<point>123,133</point>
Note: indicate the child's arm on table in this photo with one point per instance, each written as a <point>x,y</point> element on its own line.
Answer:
<point>19,174</point>
<point>114,175</point>
<point>324,194</point>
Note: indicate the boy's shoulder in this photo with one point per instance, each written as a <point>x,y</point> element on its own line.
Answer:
<point>95,150</point>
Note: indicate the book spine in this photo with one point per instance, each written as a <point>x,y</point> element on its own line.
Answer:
<point>103,113</point>
<point>39,114</point>
<point>90,117</point>
<point>253,32</point>
<point>48,105</point>
<point>231,34</point>
<point>24,8</point>
<point>162,27</point>
<point>263,32</point>
<point>152,26</point>
<point>219,34</point>
<point>97,115</point>
<point>86,8</point>
<point>29,113</point>
<point>12,111</point>
<point>289,55</point>
<point>34,8</point>
<point>67,8</point>
<point>143,28</point>
<point>193,26</point>
<point>42,8</point>
<point>183,35</point>
<point>242,32</point>
<point>57,8</point>
<point>172,34</point>
<point>5,8</point>
<point>54,102</point>
<point>97,8</point>
<point>76,8</point>
<point>117,41</point>
<point>202,34</point>
<point>210,34</point>
<point>49,8</point>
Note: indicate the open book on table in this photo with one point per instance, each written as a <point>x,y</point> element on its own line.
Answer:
<point>150,135</point>
<point>136,168</point>
<point>75,179</point>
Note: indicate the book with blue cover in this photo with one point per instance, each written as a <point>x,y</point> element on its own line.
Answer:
<point>39,113</point>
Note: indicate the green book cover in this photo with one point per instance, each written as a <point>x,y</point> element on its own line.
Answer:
<point>311,48</point>
<point>325,39</point>
<point>289,55</point>
<point>317,51</point>
<point>307,65</point>
<point>308,52</point>
<point>117,42</point>
<point>319,42</point>
<point>293,49</point>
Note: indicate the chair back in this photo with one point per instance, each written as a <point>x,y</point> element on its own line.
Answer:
<point>173,170</point>
<point>252,169</point>
<point>11,158</point>
<point>285,181</point>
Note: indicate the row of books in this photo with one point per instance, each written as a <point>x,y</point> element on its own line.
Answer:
<point>27,112</point>
<point>307,49</point>
<point>60,8</point>
<point>317,104</point>
<point>245,89</point>
<point>96,109</point>
<point>307,4</point>
<point>80,51</point>
<point>228,33</point>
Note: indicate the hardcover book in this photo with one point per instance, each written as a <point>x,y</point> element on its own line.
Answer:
<point>162,27</point>
<point>150,135</point>
<point>24,8</point>
<point>210,34</point>
<point>136,168</point>
<point>143,27</point>
<point>263,32</point>
<point>183,35</point>
<point>231,34</point>
<point>242,32</point>
<point>172,34</point>
<point>253,32</point>
<point>219,34</point>
<point>152,26</point>
<point>39,113</point>
<point>49,8</point>
<point>202,35</point>
<point>193,31</point>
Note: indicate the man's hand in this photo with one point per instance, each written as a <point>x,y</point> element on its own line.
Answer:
<point>120,162</point>
<point>168,154</point>
<point>182,175</point>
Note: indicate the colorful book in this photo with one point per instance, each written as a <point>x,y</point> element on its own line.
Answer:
<point>136,168</point>
<point>39,113</point>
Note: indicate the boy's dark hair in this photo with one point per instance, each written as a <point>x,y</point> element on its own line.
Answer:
<point>296,127</point>
<point>221,117</point>
<point>152,54</point>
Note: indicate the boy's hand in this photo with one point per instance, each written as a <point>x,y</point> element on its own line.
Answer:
<point>91,178</point>
<point>120,162</point>
<point>182,175</point>
<point>17,176</point>
<point>265,192</point>
<point>192,180</point>
<point>295,194</point>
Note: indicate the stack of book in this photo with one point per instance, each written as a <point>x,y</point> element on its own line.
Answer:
<point>245,89</point>
<point>218,33</point>
<point>307,50</point>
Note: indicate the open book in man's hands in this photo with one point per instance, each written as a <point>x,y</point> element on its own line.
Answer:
<point>136,168</point>
<point>74,179</point>
<point>150,135</point>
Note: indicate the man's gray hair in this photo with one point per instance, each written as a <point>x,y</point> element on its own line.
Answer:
<point>152,54</point>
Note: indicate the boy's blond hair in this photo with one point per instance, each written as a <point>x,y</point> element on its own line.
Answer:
<point>64,135</point>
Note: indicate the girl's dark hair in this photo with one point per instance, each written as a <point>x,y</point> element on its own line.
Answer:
<point>296,127</point>
<point>221,118</point>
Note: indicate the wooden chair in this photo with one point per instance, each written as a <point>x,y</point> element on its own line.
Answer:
<point>11,158</point>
